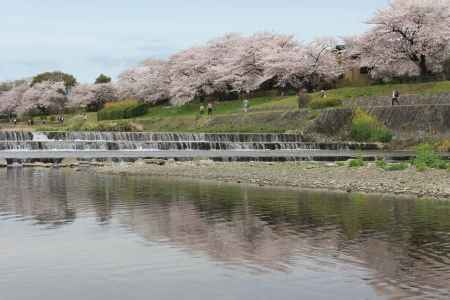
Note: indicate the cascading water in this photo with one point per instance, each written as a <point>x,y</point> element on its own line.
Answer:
<point>78,141</point>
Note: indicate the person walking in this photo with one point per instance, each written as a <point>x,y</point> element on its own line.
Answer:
<point>210,108</point>
<point>395,97</point>
<point>202,110</point>
<point>246,105</point>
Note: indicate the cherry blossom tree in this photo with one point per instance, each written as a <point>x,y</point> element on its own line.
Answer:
<point>322,62</point>
<point>245,68</point>
<point>92,96</point>
<point>263,58</point>
<point>11,100</point>
<point>409,37</point>
<point>147,82</point>
<point>194,73</point>
<point>43,97</point>
<point>284,63</point>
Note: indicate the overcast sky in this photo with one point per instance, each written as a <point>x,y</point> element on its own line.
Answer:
<point>88,37</point>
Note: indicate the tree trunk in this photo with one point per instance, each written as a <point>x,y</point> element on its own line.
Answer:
<point>424,72</point>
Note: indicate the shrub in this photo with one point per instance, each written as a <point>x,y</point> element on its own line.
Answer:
<point>122,110</point>
<point>357,163</point>
<point>321,103</point>
<point>366,128</point>
<point>426,157</point>
<point>380,163</point>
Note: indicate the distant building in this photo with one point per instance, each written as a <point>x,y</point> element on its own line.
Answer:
<point>353,76</point>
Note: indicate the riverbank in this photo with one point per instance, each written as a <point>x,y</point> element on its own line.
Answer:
<point>299,175</point>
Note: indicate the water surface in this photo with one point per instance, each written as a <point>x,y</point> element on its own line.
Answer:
<point>78,235</point>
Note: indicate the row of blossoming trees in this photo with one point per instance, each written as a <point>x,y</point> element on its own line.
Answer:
<point>408,38</point>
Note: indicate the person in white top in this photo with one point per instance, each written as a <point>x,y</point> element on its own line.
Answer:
<point>395,97</point>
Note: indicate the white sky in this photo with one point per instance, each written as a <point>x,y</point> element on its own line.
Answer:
<point>88,37</point>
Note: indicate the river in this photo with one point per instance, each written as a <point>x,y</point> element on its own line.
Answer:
<point>67,234</point>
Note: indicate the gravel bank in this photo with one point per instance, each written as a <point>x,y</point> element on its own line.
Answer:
<point>306,175</point>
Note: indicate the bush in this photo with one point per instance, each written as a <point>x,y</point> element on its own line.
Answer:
<point>321,103</point>
<point>366,128</point>
<point>426,157</point>
<point>357,163</point>
<point>380,163</point>
<point>122,110</point>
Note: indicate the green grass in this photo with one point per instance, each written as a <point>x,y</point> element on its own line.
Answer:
<point>321,103</point>
<point>122,110</point>
<point>265,114</point>
<point>357,162</point>
<point>392,166</point>
<point>426,157</point>
<point>386,90</point>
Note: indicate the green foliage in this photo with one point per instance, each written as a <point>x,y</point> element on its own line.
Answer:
<point>57,76</point>
<point>391,166</point>
<point>321,103</point>
<point>122,110</point>
<point>357,163</point>
<point>426,157</point>
<point>386,90</point>
<point>366,128</point>
<point>102,78</point>
<point>380,163</point>
<point>119,126</point>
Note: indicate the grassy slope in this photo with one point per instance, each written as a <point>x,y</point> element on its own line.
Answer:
<point>266,113</point>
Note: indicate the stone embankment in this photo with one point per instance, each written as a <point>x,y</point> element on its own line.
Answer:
<point>418,117</point>
<point>300,175</point>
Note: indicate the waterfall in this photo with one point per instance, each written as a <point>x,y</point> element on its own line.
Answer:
<point>80,141</point>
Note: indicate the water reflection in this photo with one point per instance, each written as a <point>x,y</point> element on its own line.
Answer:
<point>400,248</point>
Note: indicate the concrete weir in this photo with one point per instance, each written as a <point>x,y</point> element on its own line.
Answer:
<point>44,146</point>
